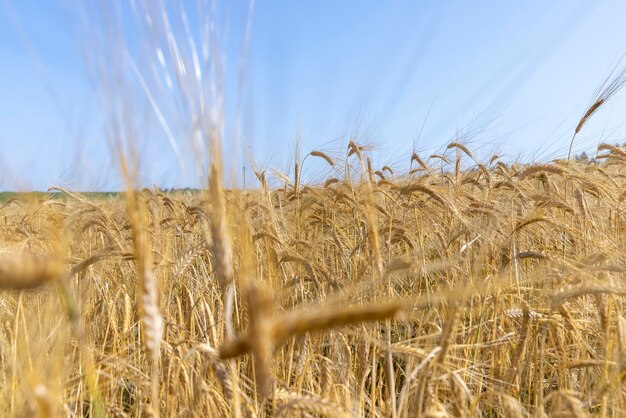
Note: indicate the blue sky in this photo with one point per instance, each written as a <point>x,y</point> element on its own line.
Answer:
<point>511,77</point>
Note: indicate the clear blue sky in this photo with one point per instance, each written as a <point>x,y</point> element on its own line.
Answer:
<point>514,76</point>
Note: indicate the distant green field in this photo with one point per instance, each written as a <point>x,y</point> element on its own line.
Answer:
<point>5,196</point>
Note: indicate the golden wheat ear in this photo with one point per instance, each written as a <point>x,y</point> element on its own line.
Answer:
<point>611,85</point>
<point>324,156</point>
<point>29,271</point>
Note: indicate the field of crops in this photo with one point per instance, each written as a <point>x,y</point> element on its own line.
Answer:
<point>455,288</point>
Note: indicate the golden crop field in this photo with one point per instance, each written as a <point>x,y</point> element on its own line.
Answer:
<point>457,284</point>
<point>460,288</point>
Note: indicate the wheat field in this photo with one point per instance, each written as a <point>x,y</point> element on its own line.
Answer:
<point>444,285</point>
<point>459,288</point>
